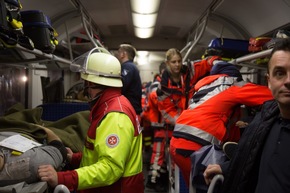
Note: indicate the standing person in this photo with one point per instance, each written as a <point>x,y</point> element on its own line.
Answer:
<point>157,178</point>
<point>132,85</point>
<point>111,160</point>
<point>177,85</point>
<point>172,89</point>
<point>261,162</point>
<point>171,96</point>
<point>214,106</point>
<point>147,134</point>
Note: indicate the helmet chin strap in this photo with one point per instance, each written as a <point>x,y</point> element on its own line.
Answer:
<point>94,86</point>
<point>96,96</point>
<point>93,101</point>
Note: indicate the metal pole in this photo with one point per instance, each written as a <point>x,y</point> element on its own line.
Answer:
<point>196,39</point>
<point>44,55</point>
<point>249,57</point>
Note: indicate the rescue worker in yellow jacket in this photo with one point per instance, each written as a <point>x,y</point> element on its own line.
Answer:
<point>205,121</point>
<point>111,160</point>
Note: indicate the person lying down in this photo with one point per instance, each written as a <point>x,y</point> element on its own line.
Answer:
<point>22,167</point>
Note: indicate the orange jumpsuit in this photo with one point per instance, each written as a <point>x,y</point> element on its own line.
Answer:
<point>147,133</point>
<point>157,162</point>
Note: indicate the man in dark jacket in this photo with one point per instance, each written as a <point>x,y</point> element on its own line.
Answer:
<point>261,163</point>
<point>132,86</point>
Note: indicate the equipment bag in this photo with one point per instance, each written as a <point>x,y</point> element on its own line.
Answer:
<point>37,27</point>
<point>228,48</point>
<point>256,43</point>
<point>10,22</point>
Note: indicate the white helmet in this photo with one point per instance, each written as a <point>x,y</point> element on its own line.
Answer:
<point>99,66</point>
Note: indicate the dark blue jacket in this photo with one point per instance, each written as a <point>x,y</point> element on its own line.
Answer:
<point>132,86</point>
<point>243,179</point>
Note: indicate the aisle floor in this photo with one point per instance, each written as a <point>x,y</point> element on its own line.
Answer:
<point>146,165</point>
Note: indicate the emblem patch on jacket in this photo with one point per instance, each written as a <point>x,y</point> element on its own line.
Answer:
<point>112,140</point>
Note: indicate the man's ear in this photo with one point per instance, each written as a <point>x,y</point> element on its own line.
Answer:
<point>267,78</point>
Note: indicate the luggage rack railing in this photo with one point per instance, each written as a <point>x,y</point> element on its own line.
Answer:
<point>253,56</point>
<point>37,52</point>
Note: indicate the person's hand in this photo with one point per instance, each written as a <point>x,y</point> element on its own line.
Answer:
<point>48,174</point>
<point>69,154</point>
<point>241,124</point>
<point>210,172</point>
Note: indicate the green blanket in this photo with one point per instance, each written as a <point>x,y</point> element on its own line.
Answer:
<point>72,129</point>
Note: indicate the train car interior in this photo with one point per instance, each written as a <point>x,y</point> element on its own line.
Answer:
<point>35,73</point>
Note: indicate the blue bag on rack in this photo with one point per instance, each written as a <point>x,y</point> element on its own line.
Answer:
<point>37,26</point>
<point>228,48</point>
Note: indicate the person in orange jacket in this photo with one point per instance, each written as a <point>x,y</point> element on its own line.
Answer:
<point>171,93</point>
<point>177,85</point>
<point>215,101</point>
<point>158,176</point>
<point>147,133</point>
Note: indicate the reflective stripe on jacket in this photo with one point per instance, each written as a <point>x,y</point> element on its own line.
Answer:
<point>217,96</point>
<point>112,156</point>
<point>171,97</point>
<point>151,113</point>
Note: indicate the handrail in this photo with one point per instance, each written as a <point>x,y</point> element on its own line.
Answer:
<point>185,47</point>
<point>90,35</point>
<point>61,189</point>
<point>87,31</point>
<point>196,39</point>
<point>44,55</point>
<point>216,178</point>
<point>253,56</point>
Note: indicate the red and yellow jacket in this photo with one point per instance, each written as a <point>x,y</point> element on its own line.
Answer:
<point>111,160</point>
<point>206,118</point>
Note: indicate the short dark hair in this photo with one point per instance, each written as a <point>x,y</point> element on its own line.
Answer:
<point>282,44</point>
<point>131,50</point>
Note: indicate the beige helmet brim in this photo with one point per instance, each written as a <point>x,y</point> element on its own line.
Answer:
<point>112,82</point>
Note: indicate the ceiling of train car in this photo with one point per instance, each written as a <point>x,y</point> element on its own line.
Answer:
<point>176,22</point>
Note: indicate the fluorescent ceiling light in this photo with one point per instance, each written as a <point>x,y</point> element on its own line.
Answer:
<point>144,32</point>
<point>144,13</point>
<point>142,53</point>
<point>142,61</point>
<point>145,6</point>
<point>144,20</point>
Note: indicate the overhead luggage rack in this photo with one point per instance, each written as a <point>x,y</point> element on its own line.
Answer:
<point>253,56</point>
<point>37,52</point>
